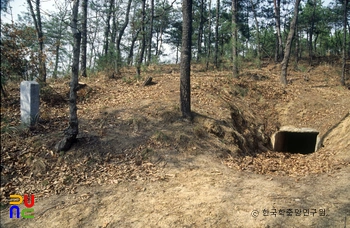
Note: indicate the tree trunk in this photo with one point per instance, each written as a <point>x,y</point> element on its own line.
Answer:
<point>234,39</point>
<point>285,60</point>
<point>258,49</point>
<point>276,47</point>
<point>150,35</point>
<point>177,52</point>
<point>277,7</point>
<point>84,38</point>
<point>160,41</point>
<point>349,40</point>
<point>92,39</point>
<point>114,25</point>
<point>311,32</point>
<point>120,35</point>
<point>41,43</point>
<point>342,81</point>
<point>315,43</point>
<point>109,14</point>
<point>54,75</point>
<point>297,49</point>
<point>217,34</point>
<point>209,37</point>
<point>185,79</point>
<point>143,41</point>
<point>200,31</point>
<point>70,134</point>
<point>157,42</point>
<point>58,44</point>
<point>131,52</point>
<point>38,28</point>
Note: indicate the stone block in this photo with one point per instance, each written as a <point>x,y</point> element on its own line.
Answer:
<point>30,101</point>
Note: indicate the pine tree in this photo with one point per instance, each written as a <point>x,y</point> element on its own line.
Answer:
<point>345,7</point>
<point>70,134</point>
<point>84,38</point>
<point>288,46</point>
<point>234,39</point>
<point>185,70</point>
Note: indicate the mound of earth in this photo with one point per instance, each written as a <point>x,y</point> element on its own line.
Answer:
<point>338,139</point>
<point>138,164</point>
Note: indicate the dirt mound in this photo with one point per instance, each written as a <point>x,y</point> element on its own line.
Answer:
<point>338,139</point>
<point>50,96</point>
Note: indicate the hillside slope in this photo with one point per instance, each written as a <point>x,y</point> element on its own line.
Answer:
<point>138,164</point>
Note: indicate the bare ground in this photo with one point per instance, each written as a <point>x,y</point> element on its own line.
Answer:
<point>137,164</point>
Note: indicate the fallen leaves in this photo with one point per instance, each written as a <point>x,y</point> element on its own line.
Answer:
<point>278,163</point>
<point>122,125</point>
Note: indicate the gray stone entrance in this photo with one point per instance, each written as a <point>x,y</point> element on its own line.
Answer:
<point>295,140</point>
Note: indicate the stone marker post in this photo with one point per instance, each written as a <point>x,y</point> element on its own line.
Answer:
<point>29,102</point>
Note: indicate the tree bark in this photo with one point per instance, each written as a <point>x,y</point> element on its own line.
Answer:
<point>54,74</point>
<point>342,80</point>
<point>41,43</point>
<point>58,42</point>
<point>177,52</point>
<point>120,35</point>
<point>114,25</point>
<point>131,51</point>
<point>279,51</point>
<point>234,39</point>
<point>70,134</point>
<point>297,48</point>
<point>143,41</point>
<point>258,49</point>
<point>185,70</point>
<point>349,41</point>
<point>84,38</point>
<point>73,120</point>
<point>150,34</point>
<point>216,61</point>
<point>285,60</point>
<point>93,52</point>
<point>200,31</point>
<point>209,37</point>
<point>108,25</point>
<point>311,32</point>
<point>159,49</point>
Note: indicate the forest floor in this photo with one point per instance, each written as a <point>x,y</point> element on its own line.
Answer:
<point>138,164</point>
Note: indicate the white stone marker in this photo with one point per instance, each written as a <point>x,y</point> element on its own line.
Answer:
<point>30,101</point>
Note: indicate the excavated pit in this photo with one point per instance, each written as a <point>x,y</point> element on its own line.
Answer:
<point>295,140</point>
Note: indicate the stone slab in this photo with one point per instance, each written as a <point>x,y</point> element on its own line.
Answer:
<point>30,101</point>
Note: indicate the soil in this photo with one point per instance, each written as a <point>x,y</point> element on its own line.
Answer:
<point>137,163</point>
